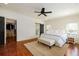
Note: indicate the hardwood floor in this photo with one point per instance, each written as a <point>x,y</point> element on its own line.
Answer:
<point>14,48</point>
<point>72,50</point>
<point>22,51</point>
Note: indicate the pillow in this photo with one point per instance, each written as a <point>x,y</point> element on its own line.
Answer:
<point>50,31</point>
<point>55,32</point>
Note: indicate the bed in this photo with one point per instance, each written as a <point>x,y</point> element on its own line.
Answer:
<point>59,37</point>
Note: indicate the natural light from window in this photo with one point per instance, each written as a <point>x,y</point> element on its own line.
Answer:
<point>72,28</point>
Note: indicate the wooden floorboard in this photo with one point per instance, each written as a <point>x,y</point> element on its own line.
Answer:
<point>14,48</point>
<point>23,50</point>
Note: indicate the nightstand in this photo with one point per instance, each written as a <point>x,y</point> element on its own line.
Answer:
<point>70,40</point>
<point>72,37</point>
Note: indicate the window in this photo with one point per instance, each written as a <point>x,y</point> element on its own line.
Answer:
<point>72,29</point>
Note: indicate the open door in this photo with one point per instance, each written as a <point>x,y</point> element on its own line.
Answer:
<point>39,29</point>
<point>2,30</point>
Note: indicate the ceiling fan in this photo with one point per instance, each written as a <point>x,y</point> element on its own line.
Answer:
<point>43,12</point>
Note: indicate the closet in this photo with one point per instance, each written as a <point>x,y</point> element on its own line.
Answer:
<point>7,30</point>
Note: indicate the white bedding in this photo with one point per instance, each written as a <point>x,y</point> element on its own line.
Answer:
<point>60,38</point>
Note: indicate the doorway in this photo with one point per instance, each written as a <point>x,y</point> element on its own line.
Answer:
<point>39,29</point>
<point>11,28</point>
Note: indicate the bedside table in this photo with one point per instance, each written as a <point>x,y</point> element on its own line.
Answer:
<point>72,37</point>
<point>70,40</point>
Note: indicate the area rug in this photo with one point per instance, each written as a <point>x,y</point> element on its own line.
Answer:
<point>38,49</point>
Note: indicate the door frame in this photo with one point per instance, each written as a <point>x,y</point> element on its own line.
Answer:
<point>5,28</point>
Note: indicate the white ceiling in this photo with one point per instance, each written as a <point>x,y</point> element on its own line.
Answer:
<point>58,9</point>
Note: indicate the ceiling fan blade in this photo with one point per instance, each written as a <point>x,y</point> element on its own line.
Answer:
<point>39,14</point>
<point>48,12</point>
<point>44,14</point>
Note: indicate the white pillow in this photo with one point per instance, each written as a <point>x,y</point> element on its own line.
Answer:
<point>50,32</point>
<point>56,32</point>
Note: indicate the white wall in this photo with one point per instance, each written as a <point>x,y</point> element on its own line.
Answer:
<point>62,21</point>
<point>25,24</point>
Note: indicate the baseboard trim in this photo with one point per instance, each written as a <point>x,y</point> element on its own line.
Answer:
<point>28,40</point>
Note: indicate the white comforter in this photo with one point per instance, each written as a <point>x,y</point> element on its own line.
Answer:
<point>60,40</point>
